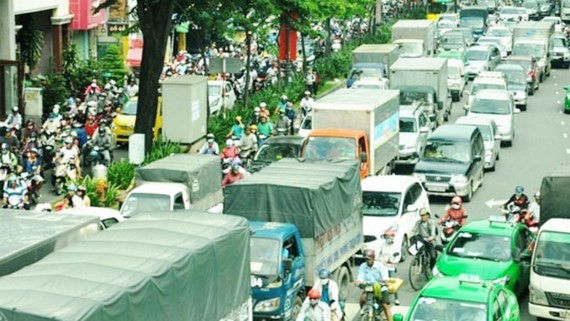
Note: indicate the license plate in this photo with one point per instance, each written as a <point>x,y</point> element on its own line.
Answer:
<point>436,188</point>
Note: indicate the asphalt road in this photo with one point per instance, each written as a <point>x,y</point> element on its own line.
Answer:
<point>541,143</point>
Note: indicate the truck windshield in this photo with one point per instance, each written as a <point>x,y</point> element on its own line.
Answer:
<point>480,86</point>
<point>453,72</point>
<point>530,5</point>
<point>407,125</point>
<point>274,152</point>
<point>552,255</point>
<point>446,151</point>
<point>509,11</point>
<point>490,106</point>
<point>359,73</point>
<point>528,49</point>
<point>380,203</point>
<point>411,97</point>
<point>499,33</point>
<point>330,148</point>
<point>453,40</point>
<point>444,309</point>
<point>264,256</point>
<point>411,50</point>
<point>481,246</point>
<point>141,202</point>
<point>472,22</point>
<point>130,108</point>
<point>558,42</point>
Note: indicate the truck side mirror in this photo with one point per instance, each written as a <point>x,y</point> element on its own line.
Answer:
<point>363,157</point>
<point>287,265</point>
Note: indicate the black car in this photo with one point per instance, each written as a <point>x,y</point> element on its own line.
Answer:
<point>276,148</point>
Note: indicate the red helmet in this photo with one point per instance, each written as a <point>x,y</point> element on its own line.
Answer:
<point>314,294</point>
<point>457,200</point>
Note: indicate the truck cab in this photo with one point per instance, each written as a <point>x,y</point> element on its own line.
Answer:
<point>426,97</point>
<point>156,197</point>
<point>411,48</point>
<point>338,144</point>
<point>277,270</point>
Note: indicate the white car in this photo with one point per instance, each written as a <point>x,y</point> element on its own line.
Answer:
<point>306,126</point>
<point>414,128</point>
<point>510,13</point>
<point>107,216</point>
<point>485,80</point>
<point>496,41</point>
<point>220,93</point>
<point>391,201</point>
<point>503,33</point>
<point>456,79</point>
<point>558,24</point>
<point>491,138</point>
<point>499,106</point>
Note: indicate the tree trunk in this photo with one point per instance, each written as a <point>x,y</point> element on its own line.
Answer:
<point>247,68</point>
<point>155,24</point>
<point>304,53</point>
<point>328,39</point>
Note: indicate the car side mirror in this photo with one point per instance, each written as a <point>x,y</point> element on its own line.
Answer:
<point>411,208</point>
<point>439,247</point>
<point>363,157</point>
<point>517,111</point>
<point>477,158</point>
<point>398,317</point>
<point>424,130</point>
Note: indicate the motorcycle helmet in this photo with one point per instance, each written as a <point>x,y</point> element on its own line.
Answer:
<point>537,196</point>
<point>72,188</point>
<point>424,211</point>
<point>229,142</point>
<point>314,294</point>
<point>81,188</point>
<point>519,190</point>
<point>210,138</point>
<point>263,105</point>
<point>15,109</point>
<point>68,140</point>
<point>34,150</point>
<point>324,273</point>
<point>284,97</point>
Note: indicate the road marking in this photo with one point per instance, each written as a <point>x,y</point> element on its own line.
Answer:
<point>558,93</point>
<point>553,76</point>
<point>567,150</point>
<point>492,202</point>
<point>555,84</point>
<point>351,310</point>
<point>558,102</point>
<point>562,123</point>
<point>565,135</point>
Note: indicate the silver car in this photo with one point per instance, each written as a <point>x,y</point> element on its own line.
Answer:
<point>491,138</point>
<point>414,128</point>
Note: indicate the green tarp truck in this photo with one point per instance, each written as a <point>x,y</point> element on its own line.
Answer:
<point>170,266</point>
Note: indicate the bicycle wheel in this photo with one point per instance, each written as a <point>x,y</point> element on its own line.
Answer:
<point>416,273</point>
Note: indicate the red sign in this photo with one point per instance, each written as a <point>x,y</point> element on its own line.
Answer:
<point>83,17</point>
<point>288,41</point>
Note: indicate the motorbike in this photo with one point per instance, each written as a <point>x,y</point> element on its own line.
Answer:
<point>372,309</point>
<point>512,213</point>
<point>15,202</point>
<point>33,191</point>
<point>227,163</point>
<point>4,172</point>
<point>48,151</point>
<point>449,228</point>
<point>63,171</point>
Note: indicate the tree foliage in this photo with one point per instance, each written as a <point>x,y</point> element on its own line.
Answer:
<point>113,64</point>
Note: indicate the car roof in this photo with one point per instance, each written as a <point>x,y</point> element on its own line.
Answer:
<point>480,47</point>
<point>452,132</point>
<point>477,121</point>
<point>495,94</point>
<point>448,287</point>
<point>410,110</point>
<point>509,58</point>
<point>102,212</point>
<point>294,140</point>
<point>556,225</point>
<point>490,227</point>
<point>387,183</point>
<point>509,67</point>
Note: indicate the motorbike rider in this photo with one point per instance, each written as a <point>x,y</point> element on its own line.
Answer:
<point>534,207</point>
<point>282,104</point>
<point>455,212</point>
<point>264,127</point>
<point>425,228</point>
<point>90,125</point>
<point>263,111</point>
<point>33,166</point>
<point>32,143</point>
<point>528,219</point>
<point>233,175</point>
<point>389,255</point>
<point>14,120</point>
<point>230,151</point>
<point>374,272</point>
<point>80,133</point>
<point>28,130</point>
<point>237,128</point>
<point>69,153</point>
<point>210,147</point>
<point>283,123</point>
<point>15,193</point>
<point>316,310</point>
<point>255,117</point>
<point>247,144</point>
<point>51,123</point>
<point>519,199</point>
<point>11,138</point>
<point>329,293</point>
<point>103,139</point>
<point>307,103</point>
<point>80,198</point>
<point>8,158</point>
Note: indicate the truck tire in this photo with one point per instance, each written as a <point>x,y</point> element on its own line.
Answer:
<point>342,278</point>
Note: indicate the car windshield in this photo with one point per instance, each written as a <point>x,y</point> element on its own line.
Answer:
<point>411,97</point>
<point>438,309</point>
<point>485,132</point>
<point>130,108</point>
<point>407,125</point>
<point>566,3</point>
<point>496,42</point>
<point>453,72</point>
<point>411,49</point>
<point>530,5</point>
<point>264,256</point>
<point>141,202</point>
<point>446,151</point>
<point>480,86</point>
<point>528,49</point>
<point>521,11</point>
<point>526,64</point>
<point>275,152</point>
<point>214,90</point>
<point>558,42</point>
<point>453,39</point>
<point>552,255</point>
<point>509,11</point>
<point>450,18</point>
<point>471,22</point>
<point>446,24</point>
<point>490,106</point>
<point>330,148</point>
<point>514,77</point>
<point>380,203</point>
<point>499,33</point>
<point>476,55</point>
<point>481,246</point>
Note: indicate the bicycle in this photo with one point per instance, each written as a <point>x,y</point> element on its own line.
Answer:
<point>372,308</point>
<point>419,272</point>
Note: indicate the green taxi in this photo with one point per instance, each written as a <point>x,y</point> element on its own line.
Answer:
<point>465,298</point>
<point>493,250</point>
<point>454,55</point>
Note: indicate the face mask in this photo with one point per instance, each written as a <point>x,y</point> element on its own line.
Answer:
<point>455,206</point>
<point>30,127</point>
<point>256,113</point>
<point>324,281</point>
<point>210,141</point>
<point>518,195</point>
<point>389,240</point>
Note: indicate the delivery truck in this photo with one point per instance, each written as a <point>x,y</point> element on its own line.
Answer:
<point>423,81</point>
<point>415,38</point>
<point>176,182</point>
<point>532,39</point>
<point>372,61</point>
<point>476,18</point>
<point>182,266</point>
<point>554,193</point>
<point>361,124</point>
<point>304,216</point>
<point>28,237</point>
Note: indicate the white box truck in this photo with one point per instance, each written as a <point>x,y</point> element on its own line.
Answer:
<point>532,39</point>
<point>360,124</point>
<point>423,81</point>
<point>416,38</point>
<point>372,61</point>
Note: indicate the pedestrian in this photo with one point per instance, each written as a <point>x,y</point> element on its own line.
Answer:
<point>307,103</point>
<point>310,80</point>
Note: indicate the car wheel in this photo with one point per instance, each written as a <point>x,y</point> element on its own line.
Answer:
<point>541,78</point>
<point>404,249</point>
<point>469,195</point>
<point>523,108</point>
<point>492,169</point>
<point>537,86</point>
<point>498,156</point>
<point>531,90</point>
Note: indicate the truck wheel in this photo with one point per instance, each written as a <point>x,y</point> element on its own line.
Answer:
<point>342,278</point>
<point>296,308</point>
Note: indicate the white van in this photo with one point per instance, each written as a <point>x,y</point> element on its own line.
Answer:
<point>549,290</point>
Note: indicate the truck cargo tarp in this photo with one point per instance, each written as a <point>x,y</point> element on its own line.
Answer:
<point>28,238</point>
<point>164,266</point>
<point>555,202</point>
<point>201,173</point>
<point>315,196</point>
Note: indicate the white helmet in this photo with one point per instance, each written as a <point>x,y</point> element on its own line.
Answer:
<point>229,142</point>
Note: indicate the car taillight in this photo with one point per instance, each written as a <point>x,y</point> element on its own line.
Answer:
<point>531,74</point>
